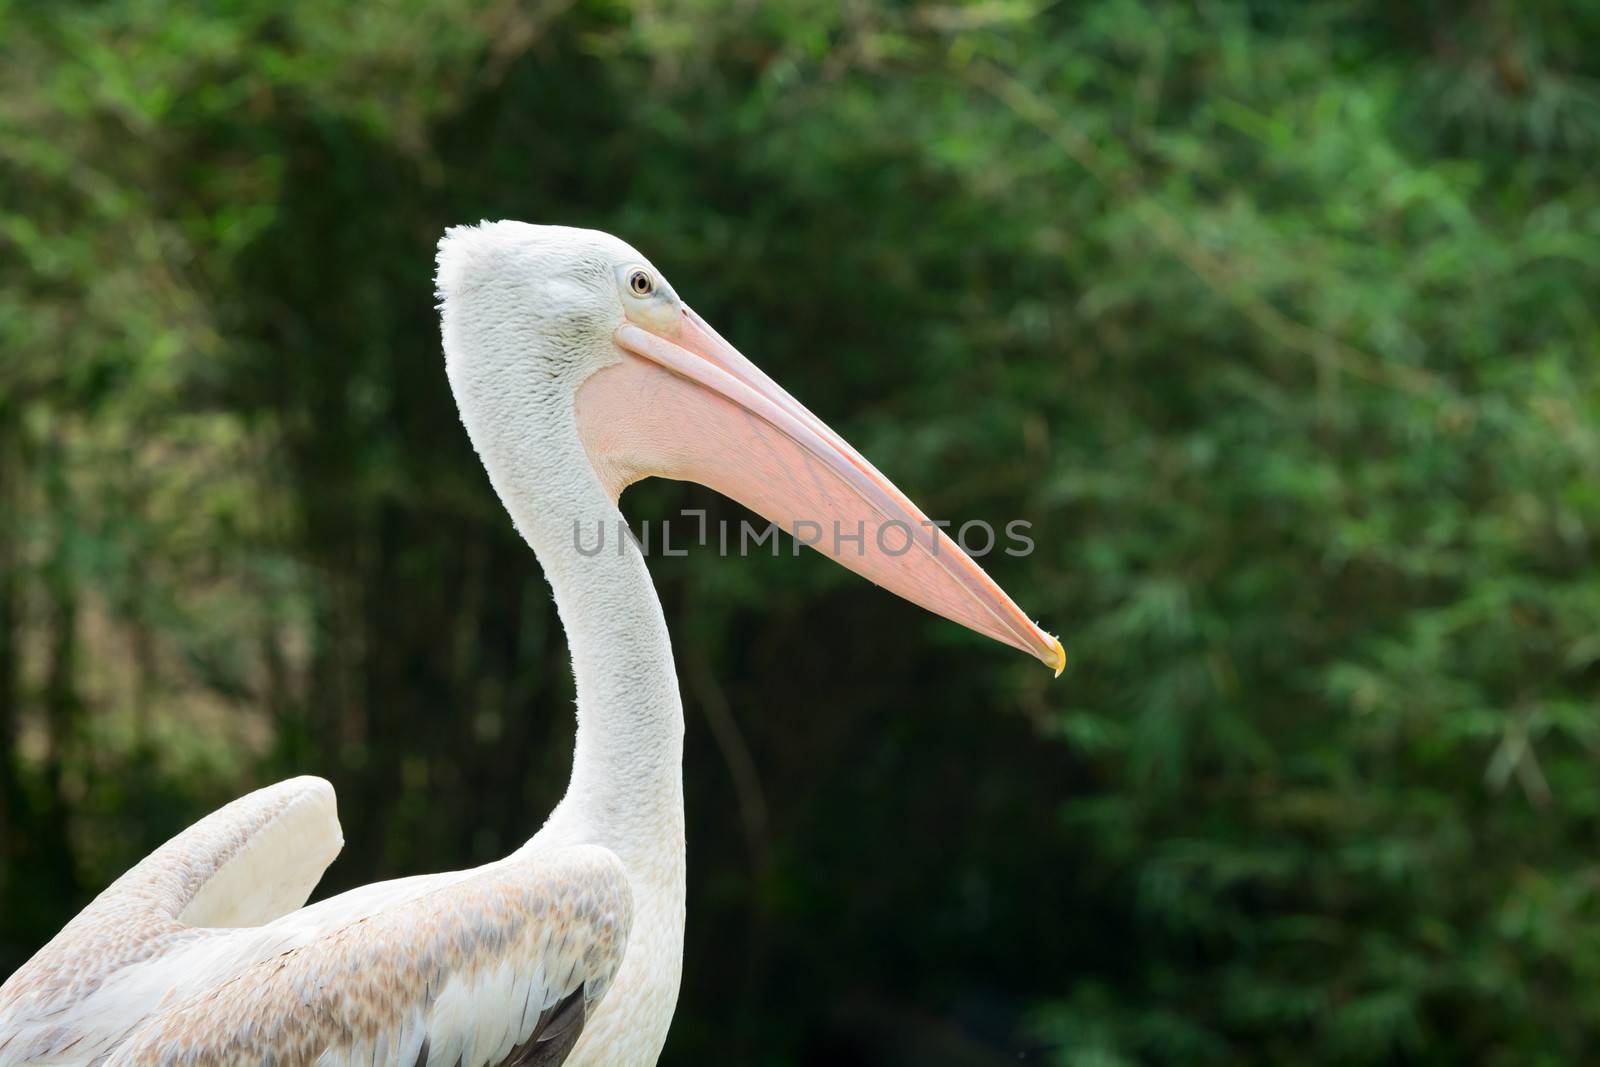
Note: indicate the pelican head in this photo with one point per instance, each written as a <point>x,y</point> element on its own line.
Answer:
<point>569,350</point>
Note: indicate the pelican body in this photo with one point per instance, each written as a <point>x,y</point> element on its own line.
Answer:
<point>577,371</point>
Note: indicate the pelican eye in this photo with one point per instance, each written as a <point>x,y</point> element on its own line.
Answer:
<point>639,281</point>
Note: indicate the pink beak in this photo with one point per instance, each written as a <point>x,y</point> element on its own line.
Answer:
<point>689,406</point>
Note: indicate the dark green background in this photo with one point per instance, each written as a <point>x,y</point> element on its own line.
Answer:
<point>1278,321</point>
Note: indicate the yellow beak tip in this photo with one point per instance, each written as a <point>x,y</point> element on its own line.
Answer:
<point>1060,663</point>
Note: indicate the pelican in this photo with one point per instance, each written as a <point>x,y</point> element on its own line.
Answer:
<point>577,371</point>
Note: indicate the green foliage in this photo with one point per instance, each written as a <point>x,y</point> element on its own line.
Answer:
<point>1276,321</point>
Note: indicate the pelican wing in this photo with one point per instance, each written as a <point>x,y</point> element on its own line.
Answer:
<point>497,967</point>
<point>247,863</point>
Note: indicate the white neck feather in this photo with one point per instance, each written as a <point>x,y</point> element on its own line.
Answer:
<point>627,776</point>
<point>627,768</point>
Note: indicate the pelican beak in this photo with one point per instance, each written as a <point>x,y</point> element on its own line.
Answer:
<point>683,403</point>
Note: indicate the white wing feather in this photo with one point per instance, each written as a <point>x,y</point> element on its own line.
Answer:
<point>465,965</point>
<point>246,863</point>
<point>439,968</point>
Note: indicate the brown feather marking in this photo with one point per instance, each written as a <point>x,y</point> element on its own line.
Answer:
<point>339,992</point>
